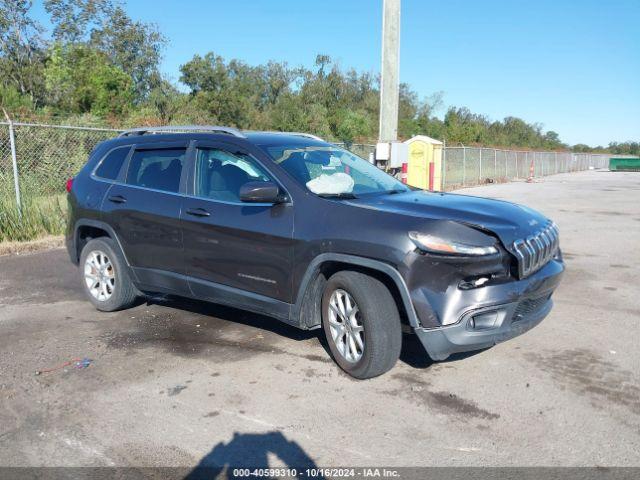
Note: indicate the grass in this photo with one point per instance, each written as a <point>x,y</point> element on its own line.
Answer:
<point>20,248</point>
<point>41,216</point>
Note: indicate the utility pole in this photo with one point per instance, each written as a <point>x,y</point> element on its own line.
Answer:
<point>389,74</point>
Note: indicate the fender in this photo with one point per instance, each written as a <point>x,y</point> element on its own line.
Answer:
<point>314,268</point>
<point>103,226</point>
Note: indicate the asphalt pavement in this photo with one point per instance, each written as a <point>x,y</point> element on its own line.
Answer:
<point>182,383</point>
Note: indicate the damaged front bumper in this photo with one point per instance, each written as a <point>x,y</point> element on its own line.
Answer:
<point>495,313</point>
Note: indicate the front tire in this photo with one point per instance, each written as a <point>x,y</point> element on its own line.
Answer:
<point>361,323</point>
<point>105,276</point>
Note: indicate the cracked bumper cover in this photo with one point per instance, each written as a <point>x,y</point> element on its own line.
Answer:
<point>510,301</point>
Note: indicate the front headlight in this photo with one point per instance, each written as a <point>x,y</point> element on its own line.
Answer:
<point>431,243</point>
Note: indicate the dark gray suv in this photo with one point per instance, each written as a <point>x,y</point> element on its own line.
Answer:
<point>290,226</point>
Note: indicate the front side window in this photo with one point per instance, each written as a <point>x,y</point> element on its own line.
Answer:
<point>330,170</point>
<point>110,166</point>
<point>220,174</point>
<point>157,169</point>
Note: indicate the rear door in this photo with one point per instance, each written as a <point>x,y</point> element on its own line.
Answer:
<point>246,246</point>
<point>145,209</point>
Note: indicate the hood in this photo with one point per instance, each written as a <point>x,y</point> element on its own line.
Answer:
<point>509,221</point>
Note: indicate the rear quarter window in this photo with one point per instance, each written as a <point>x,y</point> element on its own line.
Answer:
<point>157,169</point>
<point>110,165</point>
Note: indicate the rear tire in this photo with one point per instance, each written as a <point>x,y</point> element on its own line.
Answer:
<point>361,323</point>
<point>105,276</point>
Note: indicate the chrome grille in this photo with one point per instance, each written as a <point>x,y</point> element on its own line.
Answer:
<point>536,250</point>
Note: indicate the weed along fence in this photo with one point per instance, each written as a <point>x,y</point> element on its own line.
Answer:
<point>36,160</point>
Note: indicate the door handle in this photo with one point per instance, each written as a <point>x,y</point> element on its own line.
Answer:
<point>198,212</point>
<point>117,199</point>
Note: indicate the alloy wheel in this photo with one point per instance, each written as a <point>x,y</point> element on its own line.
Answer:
<point>345,324</point>
<point>99,275</point>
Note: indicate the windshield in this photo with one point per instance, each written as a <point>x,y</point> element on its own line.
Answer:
<point>330,170</point>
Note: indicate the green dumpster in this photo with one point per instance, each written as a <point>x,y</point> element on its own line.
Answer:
<point>624,164</point>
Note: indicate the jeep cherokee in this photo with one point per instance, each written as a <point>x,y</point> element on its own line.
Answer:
<point>293,227</point>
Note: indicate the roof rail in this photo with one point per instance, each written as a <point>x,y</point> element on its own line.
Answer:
<point>299,134</point>
<point>308,135</point>
<point>179,128</point>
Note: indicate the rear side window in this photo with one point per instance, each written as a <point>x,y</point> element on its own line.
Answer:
<point>157,169</point>
<point>111,164</point>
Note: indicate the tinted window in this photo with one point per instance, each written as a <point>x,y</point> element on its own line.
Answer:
<point>220,174</point>
<point>157,169</point>
<point>111,164</point>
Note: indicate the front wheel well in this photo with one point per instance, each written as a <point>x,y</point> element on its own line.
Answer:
<point>311,309</point>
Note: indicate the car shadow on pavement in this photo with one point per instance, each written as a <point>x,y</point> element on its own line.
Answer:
<point>233,315</point>
<point>249,451</point>
<point>412,354</point>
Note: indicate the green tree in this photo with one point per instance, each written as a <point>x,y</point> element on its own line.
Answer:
<point>103,67</point>
<point>352,125</point>
<point>233,92</point>
<point>80,79</point>
<point>21,50</point>
<point>625,148</point>
<point>166,100</point>
<point>461,125</point>
<point>74,20</point>
<point>12,100</point>
<point>581,148</point>
<point>133,46</point>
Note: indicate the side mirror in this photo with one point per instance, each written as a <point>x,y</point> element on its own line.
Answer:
<point>260,192</point>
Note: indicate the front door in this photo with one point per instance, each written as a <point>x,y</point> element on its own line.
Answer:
<point>245,246</point>
<point>144,211</point>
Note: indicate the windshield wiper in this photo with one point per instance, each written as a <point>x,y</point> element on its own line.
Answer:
<point>344,195</point>
<point>396,190</point>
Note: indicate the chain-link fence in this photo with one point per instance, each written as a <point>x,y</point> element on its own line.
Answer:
<point>468,166</point>
<point>363,150</point>
<point>47,155</point>
<point>6,165</point>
